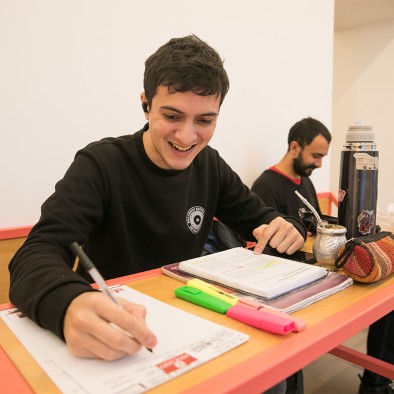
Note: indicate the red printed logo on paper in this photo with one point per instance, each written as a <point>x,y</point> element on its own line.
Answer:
<point>341,195</point>
<point>175,363</point>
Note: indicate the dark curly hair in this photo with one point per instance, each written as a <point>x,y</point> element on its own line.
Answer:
<point>186,64</point>
<point>305,131</point>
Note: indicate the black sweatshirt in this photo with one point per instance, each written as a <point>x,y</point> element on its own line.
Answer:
<point>131,216</point>
<point>278,191</point>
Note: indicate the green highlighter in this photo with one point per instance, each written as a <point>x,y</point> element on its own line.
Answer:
<point>198,297</point>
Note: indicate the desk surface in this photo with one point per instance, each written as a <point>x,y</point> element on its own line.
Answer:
<point>261,362</point>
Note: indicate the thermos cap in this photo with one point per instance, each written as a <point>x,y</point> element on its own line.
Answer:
<point>360,134</point>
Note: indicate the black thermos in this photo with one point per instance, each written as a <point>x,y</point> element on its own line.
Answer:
<point>358,182</point>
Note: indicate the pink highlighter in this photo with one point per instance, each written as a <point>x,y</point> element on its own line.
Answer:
<point>263,320</point>
<point>300,324</point>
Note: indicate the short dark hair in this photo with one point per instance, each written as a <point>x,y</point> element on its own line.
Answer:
<point>186,64</point>
<point>306,130</point>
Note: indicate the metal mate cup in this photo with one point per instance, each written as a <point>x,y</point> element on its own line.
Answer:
<point>328,241</point>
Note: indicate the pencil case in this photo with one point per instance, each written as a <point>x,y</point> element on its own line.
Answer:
<point>367,259</point>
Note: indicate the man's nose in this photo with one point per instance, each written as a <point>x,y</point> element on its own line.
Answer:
<point>318,162</point>
<point>186,133</point>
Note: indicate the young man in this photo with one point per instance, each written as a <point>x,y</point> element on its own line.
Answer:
<point>138,202</point>
<point>308,142</point>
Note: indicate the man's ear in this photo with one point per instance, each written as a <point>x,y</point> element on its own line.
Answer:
<point>145,107</point>
<point>144,103</point>
<point>294,148</point>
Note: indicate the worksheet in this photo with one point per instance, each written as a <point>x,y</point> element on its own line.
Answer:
<point>185,341</point>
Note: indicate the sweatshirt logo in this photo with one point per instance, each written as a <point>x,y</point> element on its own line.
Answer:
<point>194,218</point>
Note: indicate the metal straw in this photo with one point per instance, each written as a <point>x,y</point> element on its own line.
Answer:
<point>309,205</point>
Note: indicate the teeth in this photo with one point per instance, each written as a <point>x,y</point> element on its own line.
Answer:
<point>180,148</point>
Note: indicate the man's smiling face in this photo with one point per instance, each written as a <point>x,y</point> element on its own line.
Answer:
<point>181,124</point>
<point>310,157</point>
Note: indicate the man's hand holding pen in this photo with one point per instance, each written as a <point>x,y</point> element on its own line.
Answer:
<point>88,332</point>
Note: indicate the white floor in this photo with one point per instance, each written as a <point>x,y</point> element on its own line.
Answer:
<point>332,375</point>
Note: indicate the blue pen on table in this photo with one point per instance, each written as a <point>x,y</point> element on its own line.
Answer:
<point>96,276</point>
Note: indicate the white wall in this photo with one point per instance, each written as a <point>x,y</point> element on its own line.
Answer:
<point>364,91</point>
<point>71,72</point>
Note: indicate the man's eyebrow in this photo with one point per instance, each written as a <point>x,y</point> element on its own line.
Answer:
<point>170,108</point>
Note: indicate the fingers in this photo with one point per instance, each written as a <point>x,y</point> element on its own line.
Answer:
<point>134,322</point>
<point>261,237</point>
<point>89,346</point>
<point>94,324</point>
<point>280,235</point>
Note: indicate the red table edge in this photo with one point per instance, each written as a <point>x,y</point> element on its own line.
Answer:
<point>12,381</point>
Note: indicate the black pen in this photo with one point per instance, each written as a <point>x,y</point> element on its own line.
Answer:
<point>96,276</point>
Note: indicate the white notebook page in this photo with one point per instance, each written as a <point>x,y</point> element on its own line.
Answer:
<point>184,342</point>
